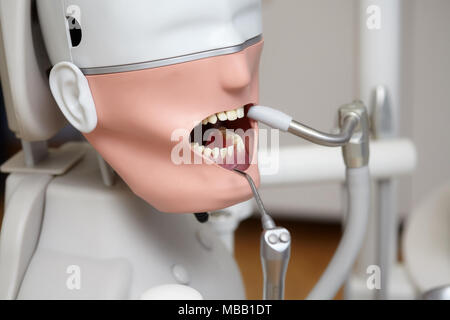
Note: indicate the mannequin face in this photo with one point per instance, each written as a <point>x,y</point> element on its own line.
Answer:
<point>140,115</point>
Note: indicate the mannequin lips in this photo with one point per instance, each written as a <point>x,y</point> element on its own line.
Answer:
<point>226,138</point>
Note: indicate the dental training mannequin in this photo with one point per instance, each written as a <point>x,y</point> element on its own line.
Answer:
<point>135,80</point>
<point>140,86</point>
<point>131,117</point>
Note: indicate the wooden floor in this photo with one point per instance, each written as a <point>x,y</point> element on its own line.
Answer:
<point>313,245</point>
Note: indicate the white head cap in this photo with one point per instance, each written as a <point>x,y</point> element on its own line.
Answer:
<point>123,32</point>
<point>114,33</point>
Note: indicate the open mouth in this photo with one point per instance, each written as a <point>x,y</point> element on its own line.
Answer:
<point>226,138</point>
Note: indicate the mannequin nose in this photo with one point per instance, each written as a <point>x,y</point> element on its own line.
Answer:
<point>236,72</point>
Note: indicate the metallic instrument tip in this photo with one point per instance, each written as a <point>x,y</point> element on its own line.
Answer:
<point>266,219</point>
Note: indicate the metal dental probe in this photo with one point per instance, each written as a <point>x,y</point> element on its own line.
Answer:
<point>275,249</point>
<point>266,219</point>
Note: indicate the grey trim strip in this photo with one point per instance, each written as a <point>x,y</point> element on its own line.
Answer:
<point>171,61</point>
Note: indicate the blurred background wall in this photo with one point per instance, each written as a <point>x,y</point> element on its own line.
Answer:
<point>309,68</point>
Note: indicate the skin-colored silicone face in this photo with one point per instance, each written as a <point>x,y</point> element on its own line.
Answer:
<point>138,113</point>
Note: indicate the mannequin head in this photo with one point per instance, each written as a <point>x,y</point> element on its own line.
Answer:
<point>139,107</point>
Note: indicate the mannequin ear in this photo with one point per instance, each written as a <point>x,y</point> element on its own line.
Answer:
<point>71,91</point>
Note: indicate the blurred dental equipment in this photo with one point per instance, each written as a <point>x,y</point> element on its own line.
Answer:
<point>354,140</point>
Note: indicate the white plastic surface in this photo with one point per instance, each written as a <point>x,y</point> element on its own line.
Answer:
<point>121,245</point>
<point>380,61</point>
<point>20,229</point>
<point>32,112</point>
<point>71,91</point>
<point>171,292</point>
<point>380,51</point>
<point>122,32</point>
<point>58,162</point>
<point>400,286</point>
<point>302,164</point>
<point>271,117</point>
<point>426,241</point>
<point>55,29</point>
<point>226,221</point>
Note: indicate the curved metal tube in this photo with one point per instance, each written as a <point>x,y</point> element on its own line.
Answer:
<point>325,139</point>
<point>266,219</point>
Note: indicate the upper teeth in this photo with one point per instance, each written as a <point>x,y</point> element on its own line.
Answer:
<point>226,115</point>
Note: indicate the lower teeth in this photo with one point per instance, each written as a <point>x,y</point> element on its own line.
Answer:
<point>228,153</point>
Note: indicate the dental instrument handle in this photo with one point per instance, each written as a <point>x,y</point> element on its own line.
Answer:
<point>275,254</point>
<point>275,249</point>
<point>279,120</point>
